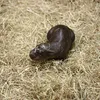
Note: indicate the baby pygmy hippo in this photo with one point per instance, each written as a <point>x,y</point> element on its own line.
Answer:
<point>60,40</point>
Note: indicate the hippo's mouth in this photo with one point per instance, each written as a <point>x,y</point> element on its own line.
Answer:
<point>37,58</point>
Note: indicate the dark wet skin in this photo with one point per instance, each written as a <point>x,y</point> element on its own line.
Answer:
<point>60,40</point>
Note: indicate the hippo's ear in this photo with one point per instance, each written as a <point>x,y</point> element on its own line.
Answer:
<point>47,48</point>
<point>50,51</point>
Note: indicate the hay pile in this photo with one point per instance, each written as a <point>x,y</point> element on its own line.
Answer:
<point>23,25</point>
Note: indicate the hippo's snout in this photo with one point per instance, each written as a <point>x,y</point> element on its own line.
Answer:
<point>32,54</point>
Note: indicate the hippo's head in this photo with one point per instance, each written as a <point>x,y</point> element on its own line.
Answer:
<point>41,52</point>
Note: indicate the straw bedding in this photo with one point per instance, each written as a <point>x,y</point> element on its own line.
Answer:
<point>23,25</point>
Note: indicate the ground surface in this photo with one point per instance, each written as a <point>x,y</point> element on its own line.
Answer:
<point>23,25</point>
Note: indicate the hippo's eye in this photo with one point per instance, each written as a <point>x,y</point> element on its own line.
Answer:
<point>37,50</point>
